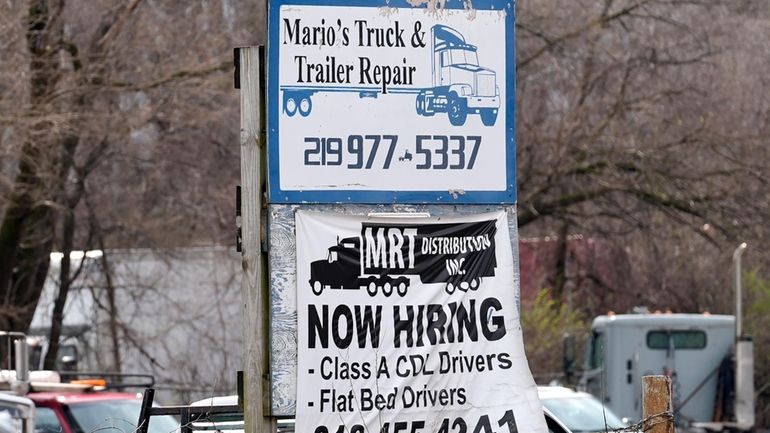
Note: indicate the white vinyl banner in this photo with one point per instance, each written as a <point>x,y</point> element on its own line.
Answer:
<point>409,325</point>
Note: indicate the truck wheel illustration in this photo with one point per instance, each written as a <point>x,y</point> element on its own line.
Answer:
<point>458,110</point>
<point>401,287</point>
<point>488,116</point>
<point>462,285</point>
<point>290,106</point>
<point>317,287</point>
<point>450,288</point>
<point>371,288</point>
<point>421,103</point>
<point>387,288</point>
<point>475,283</point>
<point>305,105</point>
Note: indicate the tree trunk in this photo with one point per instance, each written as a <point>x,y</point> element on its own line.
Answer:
<point>560,267</point>
<point>65,282</point>
<point>113,312</point>
<point>26,231</point>
<point>26,238</point>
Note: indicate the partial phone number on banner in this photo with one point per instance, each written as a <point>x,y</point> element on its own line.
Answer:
<point>506,424</point>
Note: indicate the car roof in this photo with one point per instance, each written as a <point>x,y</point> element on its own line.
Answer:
<point>222,400</point>
<point>546,392</point>
<point>10,398</point>
<point>83,397</point>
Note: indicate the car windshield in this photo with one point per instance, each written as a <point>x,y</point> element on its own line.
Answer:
<point>115,416</point>
<point>582,414</point>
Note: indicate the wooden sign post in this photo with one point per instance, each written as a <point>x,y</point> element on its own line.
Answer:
<point>253,290</point>
<point>656,404</point>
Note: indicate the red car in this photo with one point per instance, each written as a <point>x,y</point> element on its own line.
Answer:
<point>84,412</point>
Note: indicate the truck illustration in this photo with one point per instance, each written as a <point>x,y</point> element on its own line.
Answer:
<point>459,85</point>
<point>383,256</point>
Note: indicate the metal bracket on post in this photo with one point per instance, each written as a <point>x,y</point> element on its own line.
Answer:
<point>239,385</point>
<point>238,221</point>
<point>184,421</point>
<point>144,413</point>
<point>237,68</point>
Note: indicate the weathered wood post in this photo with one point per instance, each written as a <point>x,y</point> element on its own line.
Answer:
<point>253,290</point>
<point>656,405</point>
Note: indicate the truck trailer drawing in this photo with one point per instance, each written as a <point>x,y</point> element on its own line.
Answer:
<point>459,85</point>
<point>383,256</point>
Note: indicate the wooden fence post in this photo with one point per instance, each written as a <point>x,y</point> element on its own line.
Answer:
<point>656,405</point>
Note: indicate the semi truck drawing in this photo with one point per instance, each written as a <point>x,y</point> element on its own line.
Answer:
<point>459,85</point>
<point>383,256</point>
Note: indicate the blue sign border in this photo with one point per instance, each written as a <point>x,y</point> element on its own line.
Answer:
<point>276,195</point>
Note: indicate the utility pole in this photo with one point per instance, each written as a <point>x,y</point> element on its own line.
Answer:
<point>253,290</point>
<point>738,291</point>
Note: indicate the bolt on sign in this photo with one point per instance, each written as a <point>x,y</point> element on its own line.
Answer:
<point>409,325</point>
<point>373,101</point>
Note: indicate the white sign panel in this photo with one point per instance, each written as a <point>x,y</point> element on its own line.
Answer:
<point>409,325</point>
<point>380,103</point>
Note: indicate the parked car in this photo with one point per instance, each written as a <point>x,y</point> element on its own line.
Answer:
<point>287,425</point>
<point>17,414</point>
<point>75,406</point>
<point>83,412</point>
<point>282,425</point>
<point>554,424</point>
<point>580,412</point>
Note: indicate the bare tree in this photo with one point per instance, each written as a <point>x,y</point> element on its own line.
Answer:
<point>623,124</point>
<point>645,123</point>
<point>121,108</point>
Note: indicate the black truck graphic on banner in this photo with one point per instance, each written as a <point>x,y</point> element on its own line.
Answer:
<point>383,256</point>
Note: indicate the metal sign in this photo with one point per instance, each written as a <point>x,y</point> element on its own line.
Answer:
<point>385,102</point>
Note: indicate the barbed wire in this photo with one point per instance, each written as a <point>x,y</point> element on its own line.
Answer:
<point>646,424</point>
